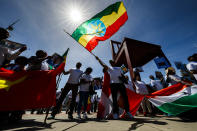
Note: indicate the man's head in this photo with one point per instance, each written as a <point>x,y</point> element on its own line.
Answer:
<point>195,56</point>
<point>112,63</point>
<point>4,34</point>
<point>88,70</point>
<point>78,65</point>
<point>190,58</point>
<point>137,78</point>
<point>170,71</point>
<point>21,60</point>
<point>151,77</point>
<point>41,54</point>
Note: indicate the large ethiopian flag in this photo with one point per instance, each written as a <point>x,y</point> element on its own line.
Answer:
<point>102,26</point>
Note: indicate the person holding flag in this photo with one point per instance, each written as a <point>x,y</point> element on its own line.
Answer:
<point>5,53</point>
<point>72,84</point>
<point>116,85</point>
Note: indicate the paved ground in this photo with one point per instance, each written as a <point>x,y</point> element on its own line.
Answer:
<point>61,123</point>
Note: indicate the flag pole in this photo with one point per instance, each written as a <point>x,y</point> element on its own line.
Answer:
<point>78,42</point>
<point>81,45</point>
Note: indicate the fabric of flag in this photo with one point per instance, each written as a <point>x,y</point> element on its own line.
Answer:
<point>28,90</point>
<point>175,99</point>
<point>105,103</point>
<point>102,26</point>
<point>65,55</point>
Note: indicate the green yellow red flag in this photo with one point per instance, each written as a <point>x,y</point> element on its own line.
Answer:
<point>102,26</point>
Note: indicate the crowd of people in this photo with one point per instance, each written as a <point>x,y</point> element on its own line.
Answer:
<point>79,94</point>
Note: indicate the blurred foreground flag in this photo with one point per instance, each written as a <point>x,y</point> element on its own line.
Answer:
<point>102,26</point>
<point>175,99</point>
<point>28,89</point>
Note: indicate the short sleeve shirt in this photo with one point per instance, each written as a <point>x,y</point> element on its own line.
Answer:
<point>174,79</point>
<point>141,87</point>
<point>85,87</point>
<point>157,84</point>
<point>44,66</point>
<point>75,75</point>
<point>115,73</point>
<point>192,66</point>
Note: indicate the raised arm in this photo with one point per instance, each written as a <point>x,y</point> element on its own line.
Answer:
<point>102,64</point>
<point>66,72</point>
<point>15,55</point>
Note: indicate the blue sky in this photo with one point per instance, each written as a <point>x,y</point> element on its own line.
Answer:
<point>169,23</point>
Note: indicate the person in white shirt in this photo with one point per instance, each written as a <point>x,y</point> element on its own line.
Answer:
<point>85,82</point>
<point>129,84</point>
<point>5,53</point>
<point>38,62</point>
<point>141,88</point>
<point>72,84</point>
<point>192,66</point>
<point>156,84</point>
<point>117,85</point>
<point>94,102</point>
<point>171,76</point>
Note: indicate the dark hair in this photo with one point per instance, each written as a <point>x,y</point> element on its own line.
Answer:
<point>4,34</point>
<point>21,60</point>
<point>136,74</point>
<point>88,70</point>
<point>41,54</point>
<point>194,57</point>
<point>78,65</point>
<point>151,77</point>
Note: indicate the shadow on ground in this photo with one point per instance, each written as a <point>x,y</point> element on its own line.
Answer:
<point>32,125</point>
<point>27,125</point>
<point>182,120</point>
<point>141,121</point>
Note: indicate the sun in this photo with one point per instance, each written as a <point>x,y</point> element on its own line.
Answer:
<point>75,15</point>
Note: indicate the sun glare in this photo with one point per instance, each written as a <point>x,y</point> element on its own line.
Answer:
<point>75,15</point>
<point>72,13</point>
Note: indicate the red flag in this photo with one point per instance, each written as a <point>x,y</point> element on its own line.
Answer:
<point>105,104</point>
<point>28,90</point>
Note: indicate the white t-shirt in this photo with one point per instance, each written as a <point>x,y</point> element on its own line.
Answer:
<point>94,98</point>
<point>129,86</point>
<point>141,87</point>
<point>85,87</point>
<point>115,73</point>
<point>174,79</point>
<point>75,74</point>
<point>157,84</point>
<point>192,66</point>
<point>44,66</point>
